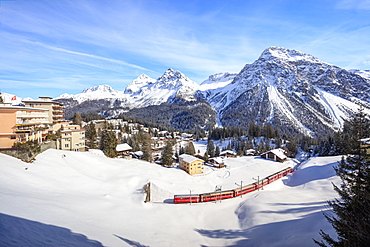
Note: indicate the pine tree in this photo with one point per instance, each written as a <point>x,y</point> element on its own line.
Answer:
<point>167,154</point>
<point>147,150</point>
<point>211,148</point>
<point>190,149</point>
<point>206,156</point>
<point>91,135</point>
<point>108,143</point>
<point>351,218</point>
<point>217,152</point>
<point>77,119</point>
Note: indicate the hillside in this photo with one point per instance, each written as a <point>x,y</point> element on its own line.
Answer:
<point>86,199</point>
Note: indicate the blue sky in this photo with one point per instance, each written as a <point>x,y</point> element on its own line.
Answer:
<point>52,47</point>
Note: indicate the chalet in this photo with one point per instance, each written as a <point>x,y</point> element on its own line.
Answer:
<point>123,150</point>
<point>228,154</point>
<point>191,164</point>
<point>217,162</point>
<point>275,154</point>
<point>250,152</point>
<point>365,143</point>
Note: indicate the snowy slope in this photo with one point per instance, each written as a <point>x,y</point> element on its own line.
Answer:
<point>141,81</point>
<point>363,73</point>
<point>215,81</point>
<point>86,199</point>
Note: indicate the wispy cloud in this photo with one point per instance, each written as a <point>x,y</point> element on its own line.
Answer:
<point>102,62</point>
<point>92,42</point>
<point>354,4</point>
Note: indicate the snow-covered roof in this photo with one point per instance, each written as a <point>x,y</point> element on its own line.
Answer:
<point>219,160</point>
<point>365,141</point>
<point>227,152</point>
<point>189,158</point>
<point>123,147</point>
<point>279,152</point>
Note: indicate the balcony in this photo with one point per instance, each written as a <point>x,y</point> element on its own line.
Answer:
<point>58,112</point>
<point>57,107</point>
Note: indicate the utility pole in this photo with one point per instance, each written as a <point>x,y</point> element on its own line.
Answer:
<point>190,196</point>
<point>258,182</point>
<point>241,186</point>
<point>218,189</point>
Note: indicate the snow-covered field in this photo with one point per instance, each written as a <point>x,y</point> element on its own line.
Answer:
<point>85,199</point>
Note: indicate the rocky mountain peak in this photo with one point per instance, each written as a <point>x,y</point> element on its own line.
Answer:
<point>175,78</point>
<point>141,81</point>
<point>100,89</point>
<point>278,53</point>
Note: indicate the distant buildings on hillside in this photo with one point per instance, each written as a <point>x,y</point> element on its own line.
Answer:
<point>38,120</point>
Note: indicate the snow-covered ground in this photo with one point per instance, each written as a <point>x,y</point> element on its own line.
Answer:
<point>85,199</point>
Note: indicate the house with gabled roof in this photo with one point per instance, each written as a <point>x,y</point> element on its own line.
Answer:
<point>277,154</point>
<point>191,164</point>
<point>124,150</point>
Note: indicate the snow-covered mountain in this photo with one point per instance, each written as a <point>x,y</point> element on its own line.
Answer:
<point>93,93</point>
<point>292,90</point>
<point>143,91</point>
<point>138,83</point>
<point>171,85</point>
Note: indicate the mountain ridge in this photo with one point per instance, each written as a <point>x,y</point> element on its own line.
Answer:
<point>287,88</point>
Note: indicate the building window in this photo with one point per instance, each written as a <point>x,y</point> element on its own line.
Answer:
<point>13,137</point>
<point>66,145</point>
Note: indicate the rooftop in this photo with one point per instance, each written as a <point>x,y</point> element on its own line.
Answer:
<point>189,158</point>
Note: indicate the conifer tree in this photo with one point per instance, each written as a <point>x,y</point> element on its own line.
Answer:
<point>211,148</point>
<point>190,149</point>
<point>91,135</point>
<point>147,150</point>
<point>351,218</point>
<point>77,119</point>
<point>217,152</point>
<point>167,154</point>
<point>108,143</point>
<point>206,156</point>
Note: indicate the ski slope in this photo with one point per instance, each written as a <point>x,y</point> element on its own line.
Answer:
<point>87,199</point>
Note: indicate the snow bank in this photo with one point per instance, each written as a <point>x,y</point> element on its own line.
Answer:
<point>87,199</point>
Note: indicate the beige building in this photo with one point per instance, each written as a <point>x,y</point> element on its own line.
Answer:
<point>191,164</point>
<point>21,124</point>
<point>72,138</point>
<point>55,109</point>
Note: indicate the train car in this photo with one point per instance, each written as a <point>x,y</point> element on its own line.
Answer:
<point>245,189</point>
<point>286,171</point>
<point>275,176</point>
<point>193,198</point>
<point>213,196</point>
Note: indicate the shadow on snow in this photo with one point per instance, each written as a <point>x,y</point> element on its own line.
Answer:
<point>130,242</point>
<point>16,231</point>
<point>296,232</point>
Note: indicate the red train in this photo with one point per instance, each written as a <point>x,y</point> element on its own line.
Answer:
<point>220,195</point>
